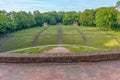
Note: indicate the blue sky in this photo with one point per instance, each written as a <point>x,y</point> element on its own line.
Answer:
<point>54,5</point>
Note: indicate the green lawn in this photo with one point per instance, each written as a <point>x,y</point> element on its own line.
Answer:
<point>71,36</point>
<point>49,36</point>
<point>17,40</point>
<point>51,30</point>
<point>82,49</point>
<point>34,50</point>
<point>69,30</point>
<point>23,39</point>
<point>97,40</point>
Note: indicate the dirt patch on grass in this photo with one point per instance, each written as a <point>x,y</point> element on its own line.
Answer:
<point>58,50</point>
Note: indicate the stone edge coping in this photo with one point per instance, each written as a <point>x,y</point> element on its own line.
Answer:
<point>59,57</point>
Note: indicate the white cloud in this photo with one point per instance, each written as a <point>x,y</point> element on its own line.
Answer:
<point>50,5</point>
<point>17,5</point>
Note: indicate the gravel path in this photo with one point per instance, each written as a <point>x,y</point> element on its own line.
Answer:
<point>74,71</point>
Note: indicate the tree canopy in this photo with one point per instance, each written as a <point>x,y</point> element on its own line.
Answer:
<point>70,17</point>
<point>87,18</point>
<point>104,18</point>
<point>3,23</point>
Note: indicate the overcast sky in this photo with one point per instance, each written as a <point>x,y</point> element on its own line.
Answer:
<point>54,5</point>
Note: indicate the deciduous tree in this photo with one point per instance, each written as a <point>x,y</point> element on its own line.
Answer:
<point>106,18</point>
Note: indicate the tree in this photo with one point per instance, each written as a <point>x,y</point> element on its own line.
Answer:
<point>38,18</point>
<point>87,18</point>
<point>3,23</point>
<point>117,5</point>
<point>118,18</point>
<point>52,17</point>
<point>12,25</point>
<point>106,18</point>
<point>24,20</point>
<point>30,20</point>
<point>60,16</point>
<point>3,12</point>
<point>70,17</point>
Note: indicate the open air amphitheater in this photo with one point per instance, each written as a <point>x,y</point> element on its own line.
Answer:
<point>59,40</point>
<point>60,43</point>
<point>60,51</point>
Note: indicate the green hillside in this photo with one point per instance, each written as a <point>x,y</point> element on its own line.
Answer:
<point>77,39</point>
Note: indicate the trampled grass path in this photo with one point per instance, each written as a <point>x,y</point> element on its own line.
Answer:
<point>60,35</point>
<point>82,36</point>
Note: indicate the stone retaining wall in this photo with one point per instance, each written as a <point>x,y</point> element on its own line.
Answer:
<point>94,57</point>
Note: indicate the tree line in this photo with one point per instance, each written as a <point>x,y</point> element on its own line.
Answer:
<point>105,18</point>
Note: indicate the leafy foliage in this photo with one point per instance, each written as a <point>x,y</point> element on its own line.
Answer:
<point>24,20</point>
<point>70,18</point>
<point>38,17</point>
<point>106,18</point>
<point>87,18</point>
<point>3,23</point>
<point>118,5</point>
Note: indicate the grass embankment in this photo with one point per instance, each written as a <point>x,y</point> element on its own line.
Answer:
<point>24,38</point>
<point>49,36</point>
<point>71,36</point>
<point>97,40</point>
<point>19,39</point>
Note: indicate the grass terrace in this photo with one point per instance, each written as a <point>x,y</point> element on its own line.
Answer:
<point>77,39</point>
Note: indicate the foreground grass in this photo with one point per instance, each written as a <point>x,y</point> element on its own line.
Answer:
<point>82,49</point>
<point>34,50</point>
